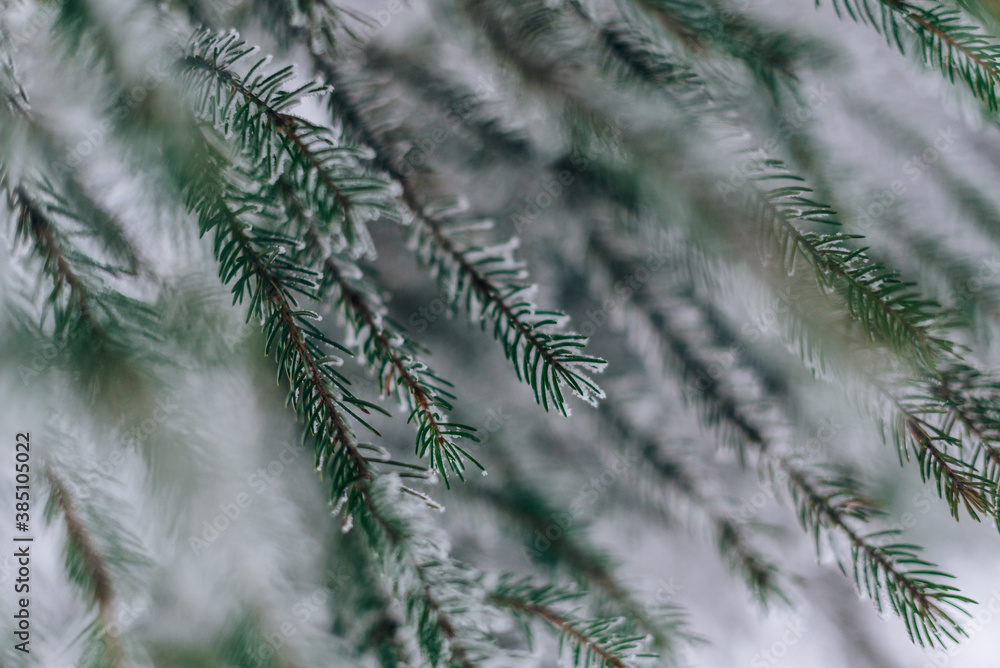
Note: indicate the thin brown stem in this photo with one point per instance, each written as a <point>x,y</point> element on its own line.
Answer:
<point>40,229</point>
<point>561,624</point>
<point>279,301</point>
<point>94,566</point>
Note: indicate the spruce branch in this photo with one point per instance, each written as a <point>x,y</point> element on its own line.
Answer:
<point>322,406</point>
<point>489,283</point>
<point>86,566</point>
<point>945,37</point>
<point>892,571</point>
<point>604,643</point>
<point>33,223</point>
<point>318,394</point>
<point>907,420</point>
<point>385,348</point>
<point>760,574</point>
<point>970,399</point>
<point>636,55</point>
<point>339,169</point>
<point>528,508</point>
<point>443,622</point>
<point>325,172</point>
<point>828,502</point>
<point>441,598</point>
<point>252,257</point>
<point>103,333</point>
<point>438,636</point>
<point>958,482</point>
<point>888,309</point>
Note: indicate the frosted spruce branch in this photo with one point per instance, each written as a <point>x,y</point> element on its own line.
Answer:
<point>250,259</point>
<point>441,598</point>
<point>825,502</point>
<point>296,345</point>
<point>82,304</point>
<point>253,108</point>
<point>489,283</point>
<point>958,482</point>
<point>889,311</point>
<point>385,348</point>
<point>883,571</point>
<point>525,506</point>
<point>103,334</point>
<point>315,152</point>
<point>971,402</point>
<point>603,643</point>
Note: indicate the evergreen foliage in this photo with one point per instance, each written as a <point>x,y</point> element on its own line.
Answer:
<point>596,186</point>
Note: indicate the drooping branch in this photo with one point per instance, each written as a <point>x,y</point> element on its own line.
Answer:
<point>85,562</point>
<point>598,641</point>
<point>827,502</point>
<point>386,350</point>
<point>762,576</point>
<point>426,397</point>
<point>946,38</point>
<point>34,224</point>
<point>487,281</point>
